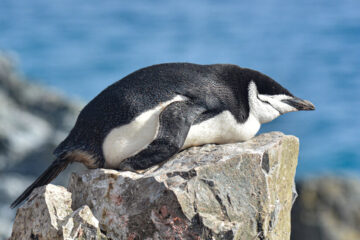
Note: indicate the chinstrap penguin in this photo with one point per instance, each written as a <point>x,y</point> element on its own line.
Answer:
<point>145,118</point>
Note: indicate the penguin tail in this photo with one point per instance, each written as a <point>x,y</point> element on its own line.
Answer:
<point>46,177</point>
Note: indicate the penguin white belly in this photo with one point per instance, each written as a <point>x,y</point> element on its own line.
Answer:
<point>223,128</point>
<point>127,140</point>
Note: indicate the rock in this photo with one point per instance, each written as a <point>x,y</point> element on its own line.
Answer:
<point>82,224</point>
<point>41,216</point>
<point>232,191</point>
<point>48,215</point>
<point>327,208</point>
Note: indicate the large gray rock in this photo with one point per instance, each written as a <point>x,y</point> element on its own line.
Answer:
<point>232,191</point>
<point>328,208</point>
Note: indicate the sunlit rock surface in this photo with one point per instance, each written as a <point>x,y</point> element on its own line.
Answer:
<point>41,216</point>
<point>48,215</point>
<point>232,191</point>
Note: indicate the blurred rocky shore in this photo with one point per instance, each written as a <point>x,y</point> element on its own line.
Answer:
<point>328,208</point>
<point>33,120</point>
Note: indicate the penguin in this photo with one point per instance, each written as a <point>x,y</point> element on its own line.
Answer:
<point>153,113</point>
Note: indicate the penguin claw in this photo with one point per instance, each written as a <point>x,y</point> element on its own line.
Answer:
<point>125,167</point>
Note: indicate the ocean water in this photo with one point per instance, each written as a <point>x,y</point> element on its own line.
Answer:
<point>310,47</point>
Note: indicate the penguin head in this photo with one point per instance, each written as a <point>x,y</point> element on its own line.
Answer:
<point>268,99</point>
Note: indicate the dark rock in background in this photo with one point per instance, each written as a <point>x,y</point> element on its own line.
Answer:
<point>33,120</point>
<point>327,208</point>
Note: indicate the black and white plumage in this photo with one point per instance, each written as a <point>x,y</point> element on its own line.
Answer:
<point>153,113</point>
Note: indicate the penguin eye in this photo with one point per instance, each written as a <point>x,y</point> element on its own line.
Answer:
<point>264,101</point>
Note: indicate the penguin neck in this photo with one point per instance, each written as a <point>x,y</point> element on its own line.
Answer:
<point>262,111</point>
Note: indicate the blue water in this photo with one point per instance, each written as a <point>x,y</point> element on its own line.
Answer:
<point>310,47</point>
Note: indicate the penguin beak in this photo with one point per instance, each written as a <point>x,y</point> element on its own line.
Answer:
<point>299,103</point>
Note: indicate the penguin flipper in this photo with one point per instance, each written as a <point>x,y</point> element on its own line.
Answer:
<point>46,177</point>
<point>175,121</point>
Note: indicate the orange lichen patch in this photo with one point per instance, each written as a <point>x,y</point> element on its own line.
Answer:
<point>80,233</point>
<point>132,236</point>
<point>124,220</point>
<point>104,213</point>
<point>118,199</point>
<point>113,176</point>
<point>110,188</point>
<point>111,221</point>
<point>164,212</point>
<point>177,219</point>
<point>173,226</point>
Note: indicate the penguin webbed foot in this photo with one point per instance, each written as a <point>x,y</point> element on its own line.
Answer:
<point>127,166</point>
